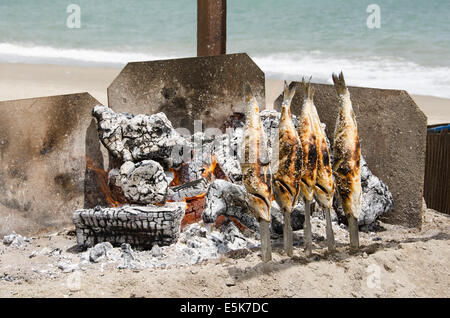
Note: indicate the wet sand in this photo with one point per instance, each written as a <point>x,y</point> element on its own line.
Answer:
<point>32,80</point>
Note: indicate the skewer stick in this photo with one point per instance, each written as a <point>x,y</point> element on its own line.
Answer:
<point>353,232</point>
<point>264,232</point>
<point>307,228</point>
<point>287,234</point>
<point>330,235</point>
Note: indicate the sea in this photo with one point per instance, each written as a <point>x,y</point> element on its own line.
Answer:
<point>398,44</point>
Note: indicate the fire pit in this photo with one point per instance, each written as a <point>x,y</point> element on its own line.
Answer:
<point>163,181</point>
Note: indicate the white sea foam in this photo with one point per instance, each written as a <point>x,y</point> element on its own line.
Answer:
<point>370,72</point>
<point>44,54</point>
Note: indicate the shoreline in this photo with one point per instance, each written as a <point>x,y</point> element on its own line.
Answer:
<point>18,81</point>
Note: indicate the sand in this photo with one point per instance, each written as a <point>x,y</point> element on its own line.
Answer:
<point>30,80</point>
<point>393,262</point>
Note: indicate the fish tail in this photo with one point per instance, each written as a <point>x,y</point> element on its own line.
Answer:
<point>339,83</point>
<point>309,90</point>
<point>288,94</point>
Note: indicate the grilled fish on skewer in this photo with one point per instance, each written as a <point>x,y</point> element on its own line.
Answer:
<point>307,134</point>
<point>256,175</point>
<point>346,159</point>
<point>324,187</point>
<point>287,177</point>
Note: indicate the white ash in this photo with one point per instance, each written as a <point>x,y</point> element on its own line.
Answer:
<point>144,182</point>
<point>136,138</point>
<point>196,244</point>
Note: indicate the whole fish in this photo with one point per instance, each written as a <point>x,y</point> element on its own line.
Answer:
<point>286,180</point>
<point>346,160</point>
<point>307,134</point>
<point>324,186</point>
<point>256,175</point>
<point>347,152</point>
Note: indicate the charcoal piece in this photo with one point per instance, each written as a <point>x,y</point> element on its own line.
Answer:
<point>140,137</point>
<point>144,182</point>
<point>140,226</point>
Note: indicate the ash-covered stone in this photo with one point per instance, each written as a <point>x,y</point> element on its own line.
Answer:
<point>127,259</point>
<point>156,251</point>
<point>226,151</point>
<point>136,138</point>
<point>140,226</point>
<point>376,198</point>
<point>68,267</point>
<point>226,198</point>
<point>99,251</point>
<point>229,199</point>
<point>144,182</point>
<point>15,240</point>
<point>277,217</point>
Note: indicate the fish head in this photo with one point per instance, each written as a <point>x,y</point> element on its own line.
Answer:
<point>260,206</point>
<point>284,196</point>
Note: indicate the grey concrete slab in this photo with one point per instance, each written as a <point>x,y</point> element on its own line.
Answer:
<point>207,88</point>
<point>46,145</point>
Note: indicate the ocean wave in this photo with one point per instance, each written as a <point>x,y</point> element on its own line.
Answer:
<point>389,73</point>
<point>16,53</point>
<point>370,72</point>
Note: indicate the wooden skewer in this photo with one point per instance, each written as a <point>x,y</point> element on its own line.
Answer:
<point>353,232</point>
<point>330,235</point>
<point>307,228</point>
<point>264,232</point>
<point>287,234</point>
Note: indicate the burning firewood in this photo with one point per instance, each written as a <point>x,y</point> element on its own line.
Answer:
<point>346,163</point>
<point>287,177</point>
<point>324,187</point>
<point>256,173</point>
<point>308,177</point>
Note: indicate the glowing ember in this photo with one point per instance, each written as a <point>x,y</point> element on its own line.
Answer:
<point>102,177</point>
<point>208,173</point>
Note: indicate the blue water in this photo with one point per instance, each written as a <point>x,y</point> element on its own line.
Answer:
<point>286,38</point>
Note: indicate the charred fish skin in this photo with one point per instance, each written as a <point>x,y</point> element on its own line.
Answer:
<point>286,179</point>
<point>256,175</point>
<point>307,136</point>
<point>324,187</point>
<point>347,152</point>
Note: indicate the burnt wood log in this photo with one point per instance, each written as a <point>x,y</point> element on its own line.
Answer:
<point>140,226</point>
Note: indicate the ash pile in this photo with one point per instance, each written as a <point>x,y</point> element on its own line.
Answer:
<point>167,180</point>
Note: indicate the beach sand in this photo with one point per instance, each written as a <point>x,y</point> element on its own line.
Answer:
<point>31,80</point>
<point>393,262</point>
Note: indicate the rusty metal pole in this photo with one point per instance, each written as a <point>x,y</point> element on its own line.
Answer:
<point>211,27</point>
